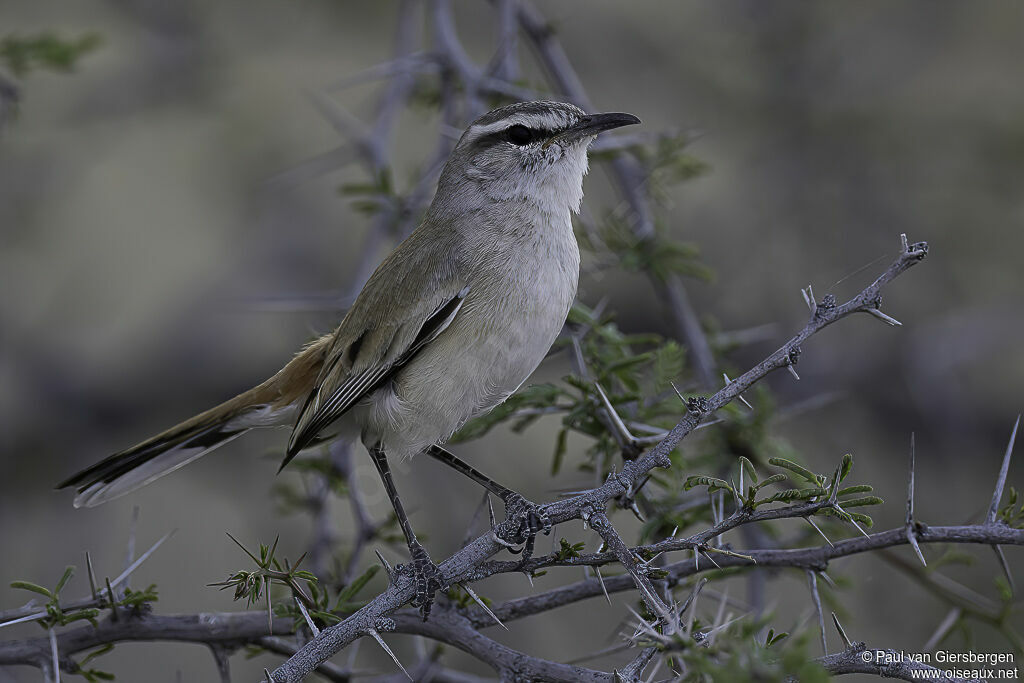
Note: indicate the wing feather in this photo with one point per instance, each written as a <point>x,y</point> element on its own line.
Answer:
<point>316,415</point>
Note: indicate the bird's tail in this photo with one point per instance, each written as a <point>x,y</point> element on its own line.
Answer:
<point>165,452</point>
<point>262,406</point>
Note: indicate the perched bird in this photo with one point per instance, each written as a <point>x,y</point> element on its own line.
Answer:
<point>450,324</point>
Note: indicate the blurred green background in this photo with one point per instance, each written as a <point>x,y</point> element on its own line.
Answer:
<point>149,229</point>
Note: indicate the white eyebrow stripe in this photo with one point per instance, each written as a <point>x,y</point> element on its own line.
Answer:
<point>544,121</point>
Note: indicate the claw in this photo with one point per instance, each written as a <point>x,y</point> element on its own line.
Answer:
<point>428,579</point>
<point>523,521</point>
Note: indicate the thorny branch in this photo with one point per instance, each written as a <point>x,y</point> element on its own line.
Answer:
<point>460,77</point>
<point>465,565</point>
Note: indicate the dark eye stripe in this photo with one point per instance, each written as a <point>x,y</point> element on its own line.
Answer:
<point>520,135</point>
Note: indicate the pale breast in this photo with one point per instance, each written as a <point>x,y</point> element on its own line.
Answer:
<point>517,304</point>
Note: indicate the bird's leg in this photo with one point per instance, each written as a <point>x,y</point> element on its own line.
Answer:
<point>523,519</point>
<point>428,577</point>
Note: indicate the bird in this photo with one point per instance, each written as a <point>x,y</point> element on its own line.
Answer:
<point>451,323</point>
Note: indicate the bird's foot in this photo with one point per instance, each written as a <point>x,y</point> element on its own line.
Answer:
<point>427,578</point>
<point>523,521</point>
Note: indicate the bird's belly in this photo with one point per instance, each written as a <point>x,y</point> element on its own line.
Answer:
<point>492,347</point>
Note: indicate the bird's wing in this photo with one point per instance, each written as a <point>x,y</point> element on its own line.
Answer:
<point>360,361</point>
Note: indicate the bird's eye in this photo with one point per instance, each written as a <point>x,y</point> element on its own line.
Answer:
<point>519,135</point>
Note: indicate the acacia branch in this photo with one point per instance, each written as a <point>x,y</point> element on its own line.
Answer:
<point>465,564</point>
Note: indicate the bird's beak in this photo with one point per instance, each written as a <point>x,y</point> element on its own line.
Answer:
<point>592,124</point>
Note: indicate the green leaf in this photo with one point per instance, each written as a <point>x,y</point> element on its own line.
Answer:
<point>796,469</point>
<point>774,479</point>
<point>860,502</point>
<point>748,467</point>
<point>68,573</point>
<point>846,466</point>
<point>859,488</point>
<point>713,483</point>
<point>34,587</point>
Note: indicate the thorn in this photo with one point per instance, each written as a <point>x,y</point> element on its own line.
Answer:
<point>636,511</point>
<point>145,556</point>
<point>744,401</point>
<point>600,579</point>
<point>529,577</point>
<point>623,434</point>
<point>910,483</point>
<point>678,393</point>
<point>483,606</point>
<point>828,579</point>
<point>675,531</point>
<point>691,602</point>
<point>490,511</point>
<point>1006,567</point>
<point>818,529</point>
<point>696,560</point>
<point>812,580</point>
<point>887,319</point>
<point>808,295</point>
<point>387,565</point>
<point>309,621</point>
<point>944,627</point>
<point>113,603</point>
<point>270,611</point>
<point>852,521</point>
<point>56,655</point>
<point>912,540</point>
<point>92,576</point>
<point>270,679</point>
<point>842,633</point>
<point>380,641</point>
<point>1001,480</point>
<point>903,242</point>
<point>708,555</point>
<point>792,370</point>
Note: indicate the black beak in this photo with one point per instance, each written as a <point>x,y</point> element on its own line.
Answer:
<point>593,124</point>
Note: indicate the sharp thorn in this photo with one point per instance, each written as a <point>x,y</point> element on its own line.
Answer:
<point>812,580</point>
<point>818,529</point>
<point>912,540</point>
<point>842,633</point>
<point>792,371</point>
<point>309,622</point>
<point>483,606</point>
<point>1005,566</point>
<point>887,319</point>
<point>1001,480</point>
<point>490,512</point>
<point>944,627</point>
<point>145,556</point>
<point>380,641</point>
<point>385,563</point>
<point>600,579</point>
<point>910,483</point>
<point>92,575</point>
<point>636,511</point>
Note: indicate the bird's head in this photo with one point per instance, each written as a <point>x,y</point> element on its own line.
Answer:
<point>528,151</point>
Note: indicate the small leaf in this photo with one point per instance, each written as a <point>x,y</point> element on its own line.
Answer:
<point>68,573</point>
<point>860,502</point>
<point>795,468</point>
<point>846,466</point>
<point>749,468</point>
<point>34,587</point>
<point>859,488</point>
